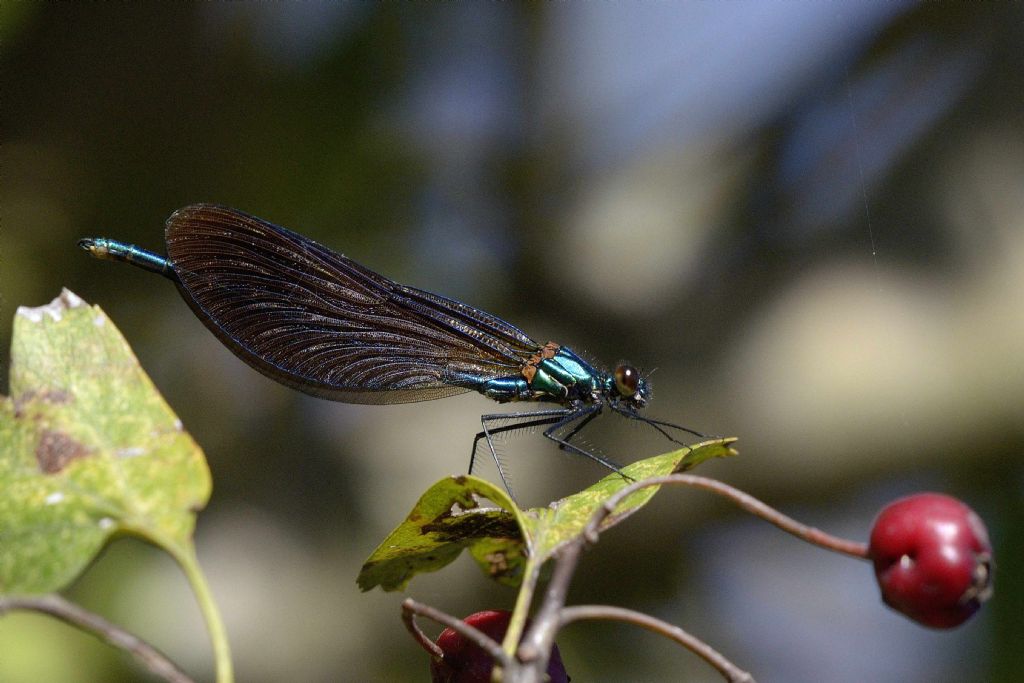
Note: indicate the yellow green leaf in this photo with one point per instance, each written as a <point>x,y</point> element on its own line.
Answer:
<point>88,449</point>
<point>449,518</point>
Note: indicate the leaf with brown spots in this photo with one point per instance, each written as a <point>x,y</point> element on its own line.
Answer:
<point>88,448</point>
<point>56,450</point>
<point>447,520</point>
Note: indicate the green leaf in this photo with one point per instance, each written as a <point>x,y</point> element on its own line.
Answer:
<point>449,518</point>
<point>88,449</point>
<point>559,523</point>
<point>446,519</point>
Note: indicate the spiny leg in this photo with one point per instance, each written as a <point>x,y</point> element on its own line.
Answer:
<point>534,418</point>
<point>588,414</point>
<point>581,424</point>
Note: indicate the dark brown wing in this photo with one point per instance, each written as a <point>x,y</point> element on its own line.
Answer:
<point>321,323</point>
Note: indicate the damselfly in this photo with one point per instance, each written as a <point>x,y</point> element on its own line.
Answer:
<point>321,323</point>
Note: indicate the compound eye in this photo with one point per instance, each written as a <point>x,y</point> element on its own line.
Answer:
<point>627,379</point>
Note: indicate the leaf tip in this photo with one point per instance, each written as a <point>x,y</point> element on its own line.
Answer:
<point>54,310</point>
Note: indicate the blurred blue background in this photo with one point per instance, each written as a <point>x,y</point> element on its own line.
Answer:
<point>807,216</point>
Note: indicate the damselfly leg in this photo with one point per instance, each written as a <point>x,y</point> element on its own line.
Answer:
<point>522,420</point>
<point>559,419</point>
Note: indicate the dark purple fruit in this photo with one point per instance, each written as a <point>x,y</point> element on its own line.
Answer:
<point>464,662</point>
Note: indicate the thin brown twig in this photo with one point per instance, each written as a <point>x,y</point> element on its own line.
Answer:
<point>409,619</point>
<point>610,613</point>
<point>476,636</point>
<point>535,649</point>
<point>56,606</point>
<point>743,500</point>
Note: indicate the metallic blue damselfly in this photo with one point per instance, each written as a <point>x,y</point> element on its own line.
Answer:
<point>321,323</point>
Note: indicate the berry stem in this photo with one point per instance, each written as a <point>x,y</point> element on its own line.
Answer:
<point>412,608</point>
<point>743,500</point>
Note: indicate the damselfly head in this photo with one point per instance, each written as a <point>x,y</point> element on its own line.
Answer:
<point>630,386</point>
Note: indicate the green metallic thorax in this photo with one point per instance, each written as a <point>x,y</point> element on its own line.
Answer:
<point>565,376</point>
<point>554,374</point>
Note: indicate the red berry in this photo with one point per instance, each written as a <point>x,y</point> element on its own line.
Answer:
<point>933,559</point>
<point>464,662</point>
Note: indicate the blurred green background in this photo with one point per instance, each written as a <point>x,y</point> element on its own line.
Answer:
<point>808,217</point>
